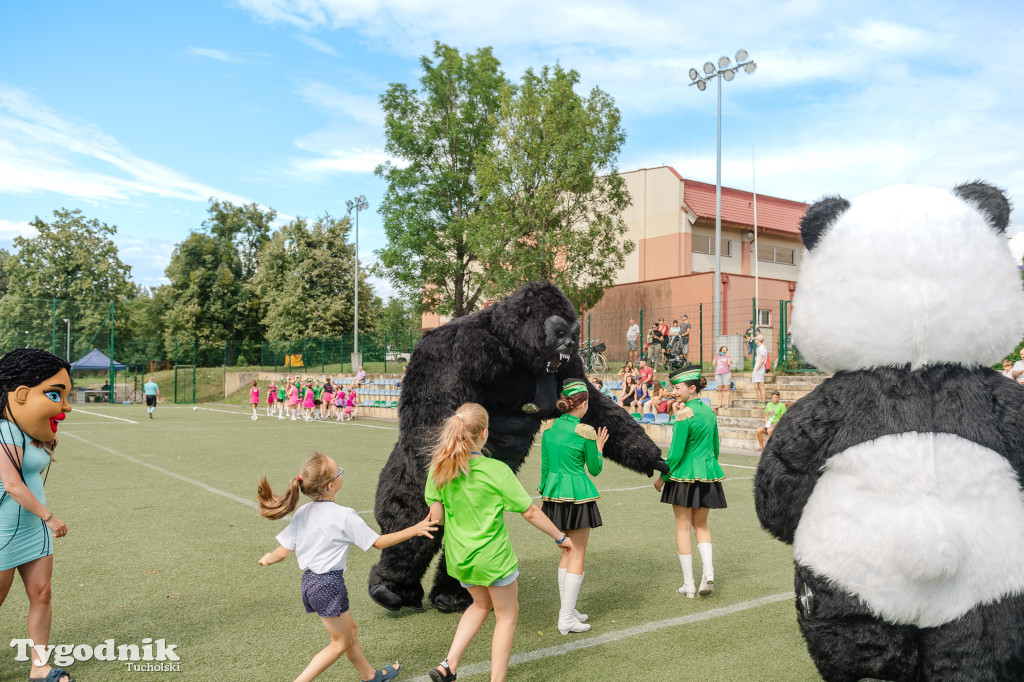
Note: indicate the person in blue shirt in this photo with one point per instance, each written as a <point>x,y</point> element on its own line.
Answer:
<point>152,392</point>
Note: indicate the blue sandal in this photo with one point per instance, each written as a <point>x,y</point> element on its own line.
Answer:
<point>53,676</point>
<point>389,672</point>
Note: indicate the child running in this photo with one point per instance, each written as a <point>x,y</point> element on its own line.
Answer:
<point>470,493</point>
<point>254,398</point>
<point>320,534</point>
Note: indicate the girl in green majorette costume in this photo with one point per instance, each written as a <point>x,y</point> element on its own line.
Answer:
<point>570,498</point>
<point>693,484</point>
<point>469,494</point>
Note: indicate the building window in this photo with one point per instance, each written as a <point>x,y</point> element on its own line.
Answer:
<point>764,318</point>
<point>706,244</point>
<point>775,254</point>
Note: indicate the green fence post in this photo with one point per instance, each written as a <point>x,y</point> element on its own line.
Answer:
<point>53,331</point>
<point>110,392</point>
<point>700,324</point>
<point>175,369</point>
<point>195,361</point>
<point>323,347</point>
<point>589,349</point>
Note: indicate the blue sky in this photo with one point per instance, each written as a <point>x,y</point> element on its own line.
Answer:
<point>137,112</point>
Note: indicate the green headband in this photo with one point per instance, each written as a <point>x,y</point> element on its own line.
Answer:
<point>685,376</point>
<point>573,387</point>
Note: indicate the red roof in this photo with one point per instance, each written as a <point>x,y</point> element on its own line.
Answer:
<point>773,214</point>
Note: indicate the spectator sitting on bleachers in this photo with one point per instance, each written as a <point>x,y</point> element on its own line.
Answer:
<point>661,401</point>
<point>628,391</point>
<point>641,398</point>
<point>604,391</point>
<point>401,378</point>
<point>360,377</point>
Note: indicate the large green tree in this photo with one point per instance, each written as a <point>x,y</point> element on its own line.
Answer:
<point>69,270</point>
<point>304,281</point>
<point>207,293</point>
<point>437,250</point>
<point>550,178</point>
<point>248,227</point>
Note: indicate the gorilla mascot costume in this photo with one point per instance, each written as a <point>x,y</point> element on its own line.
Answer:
<point>512,358</point>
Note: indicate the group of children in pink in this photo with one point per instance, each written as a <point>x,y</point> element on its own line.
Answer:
<point>314,401</point>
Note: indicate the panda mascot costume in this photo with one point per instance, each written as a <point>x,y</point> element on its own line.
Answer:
<point>898,480</point>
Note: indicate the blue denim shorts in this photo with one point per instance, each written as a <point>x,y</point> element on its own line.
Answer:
<point>500,582</point>
<point>324,593</point>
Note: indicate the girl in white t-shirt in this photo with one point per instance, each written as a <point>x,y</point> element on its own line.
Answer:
<point>320,532</point>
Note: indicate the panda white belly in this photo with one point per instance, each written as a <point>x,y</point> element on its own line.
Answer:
<point>921,526</point>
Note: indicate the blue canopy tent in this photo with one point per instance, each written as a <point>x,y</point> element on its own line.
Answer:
<point>95,359</point>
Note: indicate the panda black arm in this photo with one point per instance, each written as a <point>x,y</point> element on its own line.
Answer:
<point>1008,409</point>
<point>791,464</point>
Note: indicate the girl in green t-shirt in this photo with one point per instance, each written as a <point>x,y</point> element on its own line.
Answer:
<point>773,412</point>
<point>469,493</point>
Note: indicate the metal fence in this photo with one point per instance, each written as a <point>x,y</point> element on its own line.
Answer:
<point>72,328</point>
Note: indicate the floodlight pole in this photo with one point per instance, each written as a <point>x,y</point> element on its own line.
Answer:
<point>357,204</point>
<point>710,71</point>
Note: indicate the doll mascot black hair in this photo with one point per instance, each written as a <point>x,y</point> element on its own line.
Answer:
<point>898,480</point>
<point>512,358</point>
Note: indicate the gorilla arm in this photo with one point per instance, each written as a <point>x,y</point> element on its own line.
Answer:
<point>628,444</point>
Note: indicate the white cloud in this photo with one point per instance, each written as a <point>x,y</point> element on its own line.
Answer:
<point>361,108</point>
<point>316,44</point>
<point>212,53</point>
<point>42,151</point>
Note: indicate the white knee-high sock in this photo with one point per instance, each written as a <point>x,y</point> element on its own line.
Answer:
<point>686,562</point>
<point>581,617</point>
<point>707,568</point>
<point>567,621</point>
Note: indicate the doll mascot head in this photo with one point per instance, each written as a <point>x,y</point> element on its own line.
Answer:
<point>34,387</point>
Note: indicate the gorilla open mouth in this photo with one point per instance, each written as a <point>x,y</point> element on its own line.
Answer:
<point>556,361</point>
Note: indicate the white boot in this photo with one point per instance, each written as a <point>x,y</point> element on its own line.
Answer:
<point>581,617</point>
<point>566,620</point>
<point>686,561</point>
<point>707,581</point>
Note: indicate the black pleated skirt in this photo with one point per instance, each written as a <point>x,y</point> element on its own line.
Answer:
<point>572,516</point>
<point>695,494</point>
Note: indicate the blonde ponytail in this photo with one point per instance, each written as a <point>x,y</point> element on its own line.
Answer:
<point>460,435</point>
<point>312,480</point>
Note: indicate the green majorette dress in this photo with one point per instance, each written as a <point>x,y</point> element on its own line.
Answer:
<point>570,498</point>
<point>694,477</point>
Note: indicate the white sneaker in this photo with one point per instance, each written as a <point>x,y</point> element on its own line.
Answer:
<point>707,585</point>
<point>687,590</point>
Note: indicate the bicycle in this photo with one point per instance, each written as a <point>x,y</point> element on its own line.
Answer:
<point>597,363</point>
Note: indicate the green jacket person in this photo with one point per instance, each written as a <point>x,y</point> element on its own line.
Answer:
<point>570,498</point>
<point>693,484</point>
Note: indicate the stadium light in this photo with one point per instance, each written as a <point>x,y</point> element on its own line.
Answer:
<point>357,204</point>
<point>726,71</point>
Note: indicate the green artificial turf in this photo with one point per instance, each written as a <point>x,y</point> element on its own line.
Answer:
<point>149,555</point>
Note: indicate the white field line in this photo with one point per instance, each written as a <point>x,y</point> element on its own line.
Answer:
<point>106,416</point>
<point>186,479</point>
<point>608,638</point>
<point>737,466</point>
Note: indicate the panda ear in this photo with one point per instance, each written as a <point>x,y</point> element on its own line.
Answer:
<point>820,215</point>
<point>991,201</point>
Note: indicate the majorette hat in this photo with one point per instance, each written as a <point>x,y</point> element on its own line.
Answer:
<point>688,373</point>
<point>573,386</point>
